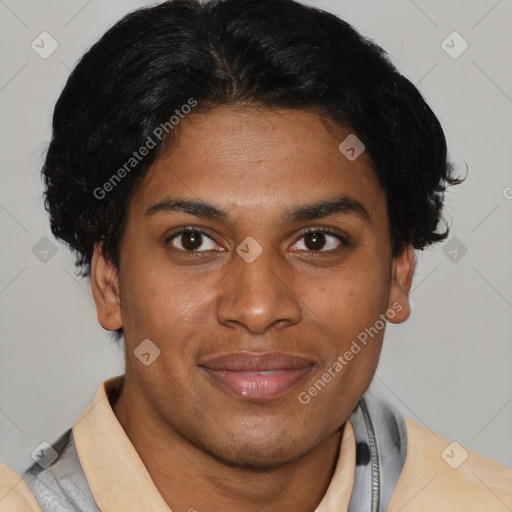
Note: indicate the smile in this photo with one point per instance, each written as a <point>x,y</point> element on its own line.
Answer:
<point>251,376</point>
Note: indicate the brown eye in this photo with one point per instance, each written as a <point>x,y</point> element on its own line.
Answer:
<point>314,241</point>
<point>320,240</point>
<point>190,240</point>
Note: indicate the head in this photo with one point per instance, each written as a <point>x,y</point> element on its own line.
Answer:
<point>245,176</point>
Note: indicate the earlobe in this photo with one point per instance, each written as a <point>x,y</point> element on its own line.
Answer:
<point>105,290</point>
<point>399,307</point>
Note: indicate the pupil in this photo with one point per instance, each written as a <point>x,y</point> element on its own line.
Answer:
<point>191,240</point>
<point>317,241</point>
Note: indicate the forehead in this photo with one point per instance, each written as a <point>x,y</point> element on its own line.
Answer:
<point>256,157</point>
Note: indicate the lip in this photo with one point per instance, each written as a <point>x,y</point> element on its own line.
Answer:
<point>257,376</point>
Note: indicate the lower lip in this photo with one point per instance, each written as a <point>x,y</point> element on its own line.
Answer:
<point>258,385</point>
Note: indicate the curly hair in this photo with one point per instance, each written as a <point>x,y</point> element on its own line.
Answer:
<point>276,54</point>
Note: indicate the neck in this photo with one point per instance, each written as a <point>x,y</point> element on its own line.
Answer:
<point>191,480</point>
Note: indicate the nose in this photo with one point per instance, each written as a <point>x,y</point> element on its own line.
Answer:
<point>259,295</point>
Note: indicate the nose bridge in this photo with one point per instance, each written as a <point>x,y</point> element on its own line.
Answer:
<point>259,280</point>
<point>255,292</point>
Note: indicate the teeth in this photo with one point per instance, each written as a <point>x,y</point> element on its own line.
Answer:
<point>263,373</point>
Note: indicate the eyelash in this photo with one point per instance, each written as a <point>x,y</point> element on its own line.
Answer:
<point>324,230</point>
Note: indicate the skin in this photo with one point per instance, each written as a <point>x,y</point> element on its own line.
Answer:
<point>203,447</point>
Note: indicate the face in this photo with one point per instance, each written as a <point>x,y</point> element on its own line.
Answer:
<point>255,257</point>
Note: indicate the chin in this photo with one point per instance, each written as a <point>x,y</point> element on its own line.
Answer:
<point>258,455</point>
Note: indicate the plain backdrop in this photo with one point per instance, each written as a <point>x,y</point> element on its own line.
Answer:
<point>449,367</point>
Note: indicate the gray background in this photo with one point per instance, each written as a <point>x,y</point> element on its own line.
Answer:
<point>448,367</point>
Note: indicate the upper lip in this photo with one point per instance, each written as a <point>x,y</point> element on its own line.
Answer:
<point>253,361</point>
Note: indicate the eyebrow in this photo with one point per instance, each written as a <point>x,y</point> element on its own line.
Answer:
<point>340,205</point>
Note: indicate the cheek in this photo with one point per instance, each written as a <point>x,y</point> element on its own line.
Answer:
<point>351,298</point>
<point>157,299</point>
<point>170,309</point>
<point>350,308</point>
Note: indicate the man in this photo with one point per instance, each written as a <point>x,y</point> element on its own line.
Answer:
<point>246,182</point>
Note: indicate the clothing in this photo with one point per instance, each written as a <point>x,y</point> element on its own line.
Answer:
<point>98,469</point>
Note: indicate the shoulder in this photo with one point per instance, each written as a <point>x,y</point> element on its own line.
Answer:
<point>15,495</point>
<point>55,483</point>
<point>441,475</point>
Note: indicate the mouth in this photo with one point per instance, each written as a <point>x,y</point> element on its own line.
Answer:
<point>257,376</point>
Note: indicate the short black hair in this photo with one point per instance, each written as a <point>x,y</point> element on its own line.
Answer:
<point>276,54</point>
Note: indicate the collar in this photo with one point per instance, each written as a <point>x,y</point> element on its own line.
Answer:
<point>119,480</point>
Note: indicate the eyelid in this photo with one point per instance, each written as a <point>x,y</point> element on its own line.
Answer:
<point>342,237</point>
<point>188,229</point>
<point>324,229</point>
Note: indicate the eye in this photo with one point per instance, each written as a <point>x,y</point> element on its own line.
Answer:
<point>320,240</point>
<point>191,240</point>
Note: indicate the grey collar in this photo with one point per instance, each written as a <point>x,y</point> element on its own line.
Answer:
<point>381,447</point>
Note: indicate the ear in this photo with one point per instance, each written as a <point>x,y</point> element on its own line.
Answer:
<point>402,273</point>
<point>105,290</point>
